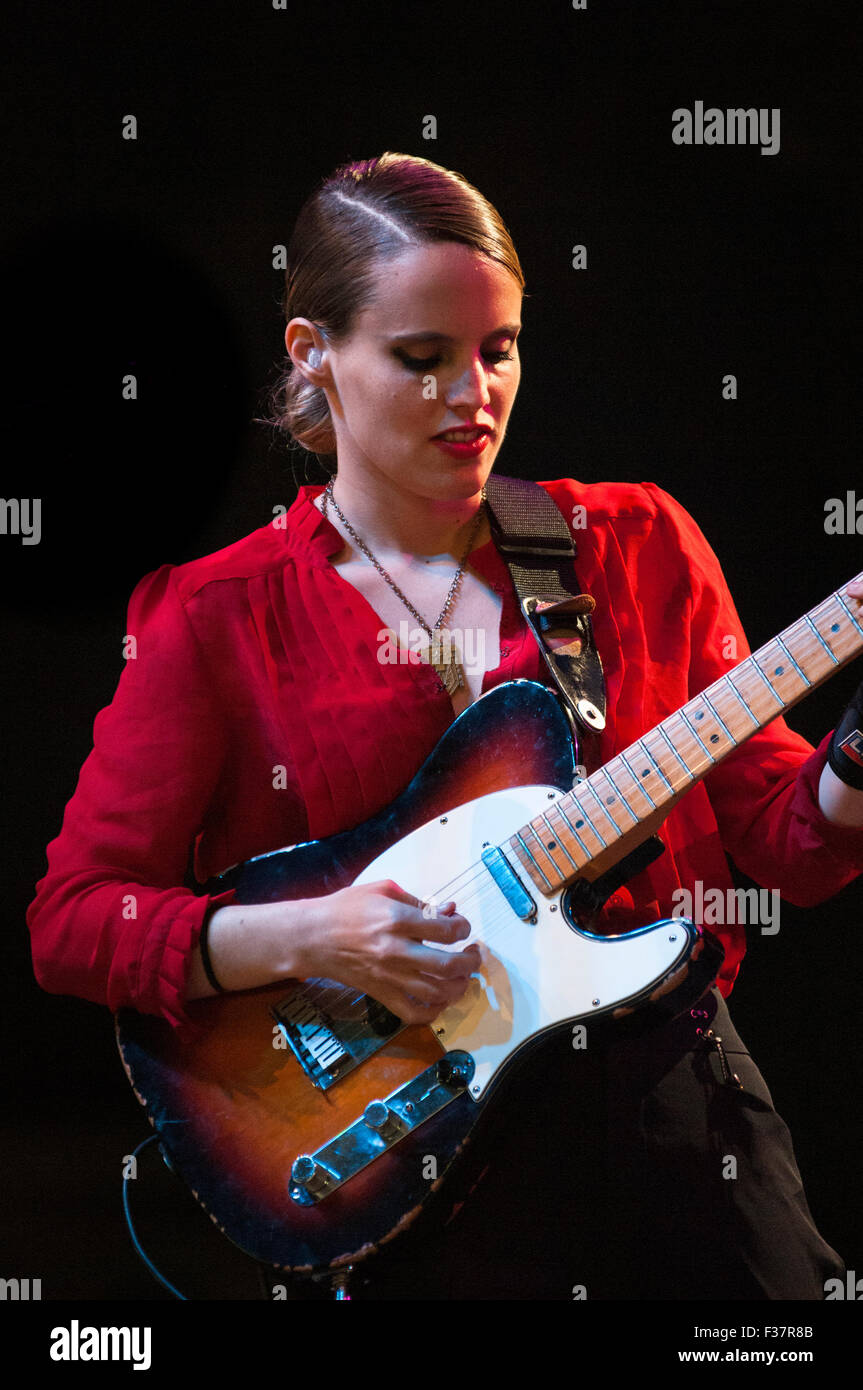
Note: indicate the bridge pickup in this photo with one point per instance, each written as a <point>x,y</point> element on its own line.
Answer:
<point>331,1030</point>
<point>509,884</point>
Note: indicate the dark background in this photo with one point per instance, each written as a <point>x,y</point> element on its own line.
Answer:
<point>154,256</point>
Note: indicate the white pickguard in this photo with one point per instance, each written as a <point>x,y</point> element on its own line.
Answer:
<point>533,974</point>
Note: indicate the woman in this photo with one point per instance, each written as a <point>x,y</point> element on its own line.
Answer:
<point>262,707</point>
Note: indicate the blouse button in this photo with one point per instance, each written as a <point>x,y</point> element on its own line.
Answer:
<point>504,651</point>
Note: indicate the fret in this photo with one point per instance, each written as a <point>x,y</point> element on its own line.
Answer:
<point>615,831</point>
<point>740,700</point>
<point>590,823</point>
<point>552,843</point>
<point>686,747</point>
<point>840,637</point>
<point>696,734</point>
<point>536,849</point>
<point>806,651</point>
<point>587,831</point>
<point>850,614</point>
<point>640,785</point>
<point>572,846</point>
<point>527,861</point>
<point>642,744</point>
<point>827,649</point>
<point>617,794</point>
<point>715,737</point>
<point>753,664</point>
<point>791,658</point>
<point>636,790</point>
<point>784,677</point>
<point>560,805</point>
<point>665,762</point>
<point>757,691</point>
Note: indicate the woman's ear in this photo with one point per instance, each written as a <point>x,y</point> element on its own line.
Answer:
<point>304,349</point>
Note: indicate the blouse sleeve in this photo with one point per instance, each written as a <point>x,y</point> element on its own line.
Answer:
<point>110,921</point>
<point>764,794</point>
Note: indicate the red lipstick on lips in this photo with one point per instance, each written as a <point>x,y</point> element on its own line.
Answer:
<point>467,448</point>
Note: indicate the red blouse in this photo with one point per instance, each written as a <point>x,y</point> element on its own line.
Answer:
<point>255,714</point>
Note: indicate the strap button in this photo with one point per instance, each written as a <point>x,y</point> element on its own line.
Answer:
<point>587,710</point>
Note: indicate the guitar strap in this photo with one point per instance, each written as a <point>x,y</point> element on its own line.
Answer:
<point>535,541</point>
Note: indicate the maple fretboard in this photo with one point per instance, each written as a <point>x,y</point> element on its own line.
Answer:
<point>612,806</point>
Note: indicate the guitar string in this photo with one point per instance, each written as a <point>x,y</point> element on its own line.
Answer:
<point>459,886</point>
<point>497,922</point>
<point>462,883</point>
<point>494,923</point>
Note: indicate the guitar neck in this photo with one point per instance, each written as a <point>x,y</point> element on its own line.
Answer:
<point>607,813</point>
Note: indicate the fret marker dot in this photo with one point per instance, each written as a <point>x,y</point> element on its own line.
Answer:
<point>714,738</point>
<point>646,772</point>
<point>552,844</point>
<point>779,670</point>
<point>609,800</point>
<point>700,714</point>
<point>579,824</point>
<point>835,627</point>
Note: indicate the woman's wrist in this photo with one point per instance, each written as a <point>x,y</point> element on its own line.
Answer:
<point>839,803</point>
<point>250,945</point>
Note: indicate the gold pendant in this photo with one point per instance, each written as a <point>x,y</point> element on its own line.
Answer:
<point>451,674</point>
<point>443,655</point>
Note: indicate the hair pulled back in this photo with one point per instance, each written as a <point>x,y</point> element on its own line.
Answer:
<point>365,212</point>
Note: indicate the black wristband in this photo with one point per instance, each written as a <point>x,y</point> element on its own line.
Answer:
<point>205,955</point>
<point>845,754</point>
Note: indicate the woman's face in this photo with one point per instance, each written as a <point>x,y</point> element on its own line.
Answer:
<point>435,350</point>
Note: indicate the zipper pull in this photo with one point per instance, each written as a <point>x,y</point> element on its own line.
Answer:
<point>728,1076</point>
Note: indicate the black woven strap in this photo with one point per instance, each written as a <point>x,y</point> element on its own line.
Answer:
<point>534,539</point>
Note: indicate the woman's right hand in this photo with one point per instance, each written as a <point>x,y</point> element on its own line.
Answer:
<point>374,936</point>
<point>371,936</point>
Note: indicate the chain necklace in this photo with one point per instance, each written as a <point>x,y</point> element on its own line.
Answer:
<point>441,652</point>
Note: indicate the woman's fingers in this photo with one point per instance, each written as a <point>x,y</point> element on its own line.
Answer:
<point>425,919</point>
<point>386,941</point>
<point>443,965</point>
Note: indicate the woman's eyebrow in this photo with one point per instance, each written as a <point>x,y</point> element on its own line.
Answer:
<point>431,337</point>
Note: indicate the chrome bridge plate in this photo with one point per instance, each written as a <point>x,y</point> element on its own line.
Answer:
<point>379,1128</point>
<point>331,1029</point>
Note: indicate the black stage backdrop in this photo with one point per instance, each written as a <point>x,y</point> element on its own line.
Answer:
<point>153,257</point>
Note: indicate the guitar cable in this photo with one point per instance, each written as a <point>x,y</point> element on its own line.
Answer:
<point>151,1139</point>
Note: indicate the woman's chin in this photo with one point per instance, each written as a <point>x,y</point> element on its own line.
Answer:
<point>460,478</point>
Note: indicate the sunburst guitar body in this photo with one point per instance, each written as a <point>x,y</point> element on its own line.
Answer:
<point>307,1121</point>
<point>314,1127</point>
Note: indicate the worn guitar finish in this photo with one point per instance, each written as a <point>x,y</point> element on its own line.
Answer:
<point>234,1111</point>
<point>303,1115</point>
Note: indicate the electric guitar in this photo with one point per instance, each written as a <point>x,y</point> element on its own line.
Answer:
<point>303,1115</point>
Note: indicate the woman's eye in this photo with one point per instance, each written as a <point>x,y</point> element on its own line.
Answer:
<point>425,364</point>
<point>418,364</point>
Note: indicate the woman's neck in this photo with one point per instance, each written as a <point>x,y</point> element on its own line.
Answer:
<point>391,521</point>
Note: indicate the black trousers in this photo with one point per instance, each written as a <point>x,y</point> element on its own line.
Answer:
<point>638,1170</point>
